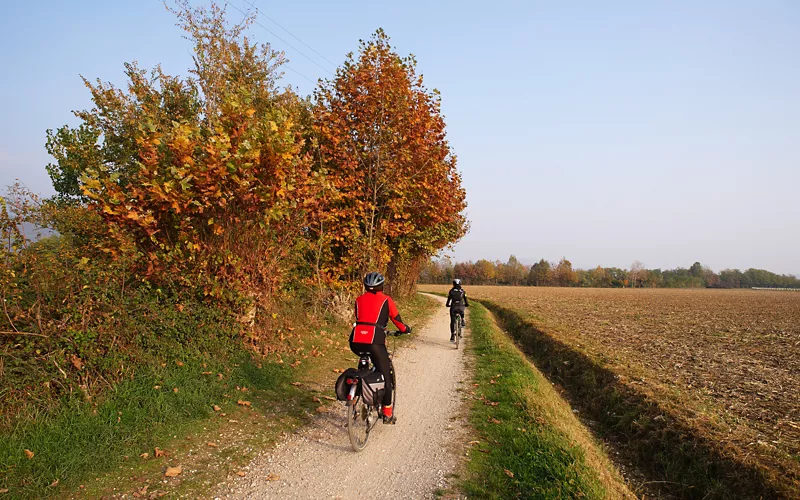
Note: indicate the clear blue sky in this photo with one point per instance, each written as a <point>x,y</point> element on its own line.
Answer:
<point>606,132</point>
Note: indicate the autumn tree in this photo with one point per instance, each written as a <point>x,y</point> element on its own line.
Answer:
<point>600,278</point>
<point>563,274</point>
<point>513,272</point>
<point>485,271</point>
<point>382,143</point>
<point>207,173</point>
<point>540,274</point>
<point>637,276</point>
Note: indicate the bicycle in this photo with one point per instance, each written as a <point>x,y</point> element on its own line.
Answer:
<point>362,417</point>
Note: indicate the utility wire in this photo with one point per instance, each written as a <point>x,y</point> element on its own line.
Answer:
<point>258,11</point>
<point>281,39</point>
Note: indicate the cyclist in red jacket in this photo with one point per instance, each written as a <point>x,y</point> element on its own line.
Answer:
<point>374,309</point>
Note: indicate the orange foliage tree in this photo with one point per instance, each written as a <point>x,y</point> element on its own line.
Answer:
<point>207,174</point>
<point>396,192</point>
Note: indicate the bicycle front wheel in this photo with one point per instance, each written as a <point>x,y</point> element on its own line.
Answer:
<point>358,425</point>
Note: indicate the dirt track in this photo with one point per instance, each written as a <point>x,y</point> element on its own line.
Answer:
<point>411,459</point>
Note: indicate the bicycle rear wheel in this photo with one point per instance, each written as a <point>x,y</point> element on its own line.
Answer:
<point>358,424</point>
<point>458,331</point>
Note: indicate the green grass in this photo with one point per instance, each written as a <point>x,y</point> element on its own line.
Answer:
<point>82,439</point>
<point>530,445</point>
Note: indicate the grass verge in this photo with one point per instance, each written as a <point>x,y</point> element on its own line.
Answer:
<point>91,449</point>
<point>529,443</point>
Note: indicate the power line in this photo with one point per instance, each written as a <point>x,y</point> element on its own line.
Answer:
<point>279,38</point>
<point>301,74</point>
<point>258,11</point>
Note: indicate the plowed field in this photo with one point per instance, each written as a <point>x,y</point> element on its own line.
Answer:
<point>726,362</point>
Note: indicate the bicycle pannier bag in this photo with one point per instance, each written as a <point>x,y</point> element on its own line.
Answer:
<point>372,388</point>
<point>342,387</point>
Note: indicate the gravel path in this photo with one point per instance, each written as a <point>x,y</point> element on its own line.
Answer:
<point>411,459</point>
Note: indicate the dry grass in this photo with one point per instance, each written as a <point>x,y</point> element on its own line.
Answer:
<point>723,363</point>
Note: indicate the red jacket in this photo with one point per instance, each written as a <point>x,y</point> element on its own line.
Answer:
<point>373,312</point>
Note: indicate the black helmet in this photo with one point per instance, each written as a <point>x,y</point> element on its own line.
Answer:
<point>457,283</point>
<point>374,281</point>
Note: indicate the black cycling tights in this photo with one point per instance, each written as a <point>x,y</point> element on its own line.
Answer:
<point>455,313</point>
<point>380,358</point>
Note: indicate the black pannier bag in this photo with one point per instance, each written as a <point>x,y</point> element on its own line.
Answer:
<point>342,387</point>
<point>372,388</point>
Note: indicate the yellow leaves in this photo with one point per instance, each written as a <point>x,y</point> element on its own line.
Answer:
<point>508,473</point>
<point>216,408</point>
<point>241,473</point>
<point>144,456</point>
<point>90,183</point>
<point>173,471</point>
<point>29,454</point>
<point>212,444</point>
<point>244,403</point>
<point>272,477</point>
<point>160,453</point>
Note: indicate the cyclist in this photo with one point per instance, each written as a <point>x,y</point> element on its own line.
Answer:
<point>374,309</point>
<point>456,301</point>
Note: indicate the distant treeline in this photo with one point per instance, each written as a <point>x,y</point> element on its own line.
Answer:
<point>544,273</point>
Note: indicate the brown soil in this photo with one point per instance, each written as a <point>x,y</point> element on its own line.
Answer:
<point>726,362</point>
